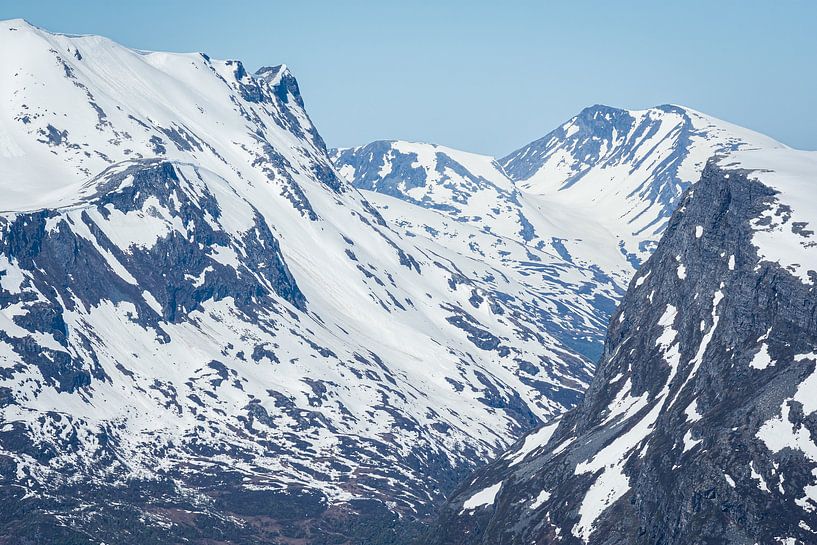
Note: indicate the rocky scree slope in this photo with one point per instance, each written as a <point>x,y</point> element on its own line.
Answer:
<point>204,329</point>
<point>700,424</point>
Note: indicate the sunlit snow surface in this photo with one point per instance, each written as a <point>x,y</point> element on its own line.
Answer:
<point>624,170</point>
<point>785,233</point>
<point>383,355</point>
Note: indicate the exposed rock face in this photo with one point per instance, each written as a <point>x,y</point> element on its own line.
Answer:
<point>700,424</point>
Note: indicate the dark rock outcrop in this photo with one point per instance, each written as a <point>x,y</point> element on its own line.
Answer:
<point>692,430</point>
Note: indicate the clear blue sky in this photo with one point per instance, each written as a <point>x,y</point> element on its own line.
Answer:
<point>489,76</point>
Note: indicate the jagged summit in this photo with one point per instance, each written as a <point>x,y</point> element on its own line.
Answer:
<point>281,79</point>
<point>272,74</point>
<point>48,75</point>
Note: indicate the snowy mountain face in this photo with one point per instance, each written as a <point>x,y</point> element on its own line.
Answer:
<point>208,335</point>
<point>470,192</point>
<point>700,425</point>
<point>466,186</point>
<point>465,202</point>
<point>625,169</point>
<point>570,216</point>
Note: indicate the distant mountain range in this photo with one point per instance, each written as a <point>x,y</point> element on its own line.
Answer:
<point>215,330</point>
<point>598,190</point>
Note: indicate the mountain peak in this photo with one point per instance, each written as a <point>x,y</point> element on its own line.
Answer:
<point>17,24</point>
<point>272,74</point>
<point>282,82</point>
<point>595,109</point>
<point>653,155</point>
<point>603,112</point>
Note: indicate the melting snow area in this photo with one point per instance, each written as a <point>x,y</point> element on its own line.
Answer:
<point>486,496</point>
<point>689,442</point>
<point>612,483</point>
<point>762,359</point>
<point>785,232</point>
<point>533,441</point>
<point>779,432</point>
<point>761,482</point>
<point>543,496</point>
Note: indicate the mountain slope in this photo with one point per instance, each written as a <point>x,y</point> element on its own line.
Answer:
<point>464,202</point>
<point>466,186</point>
<point>626,169</point>
<point>205,329</point>
<point>699,426</point>
<point>585,202</point>
<point>473,191</point>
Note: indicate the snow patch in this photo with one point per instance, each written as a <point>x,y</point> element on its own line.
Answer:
<point>543,496</point>
<point>484,497</point>
<point>762,359</point>
<point>533,441</point>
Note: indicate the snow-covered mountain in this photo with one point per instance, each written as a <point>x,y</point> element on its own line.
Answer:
<point>700,425</point>
<point>574,201</point>
<point>207,335</point>
<point>212,329</point>
<point>598,190</point>
<point>465,202</point>
<point>625,169</point>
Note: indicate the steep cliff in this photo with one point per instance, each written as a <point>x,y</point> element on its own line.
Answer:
<point>700,424</point>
